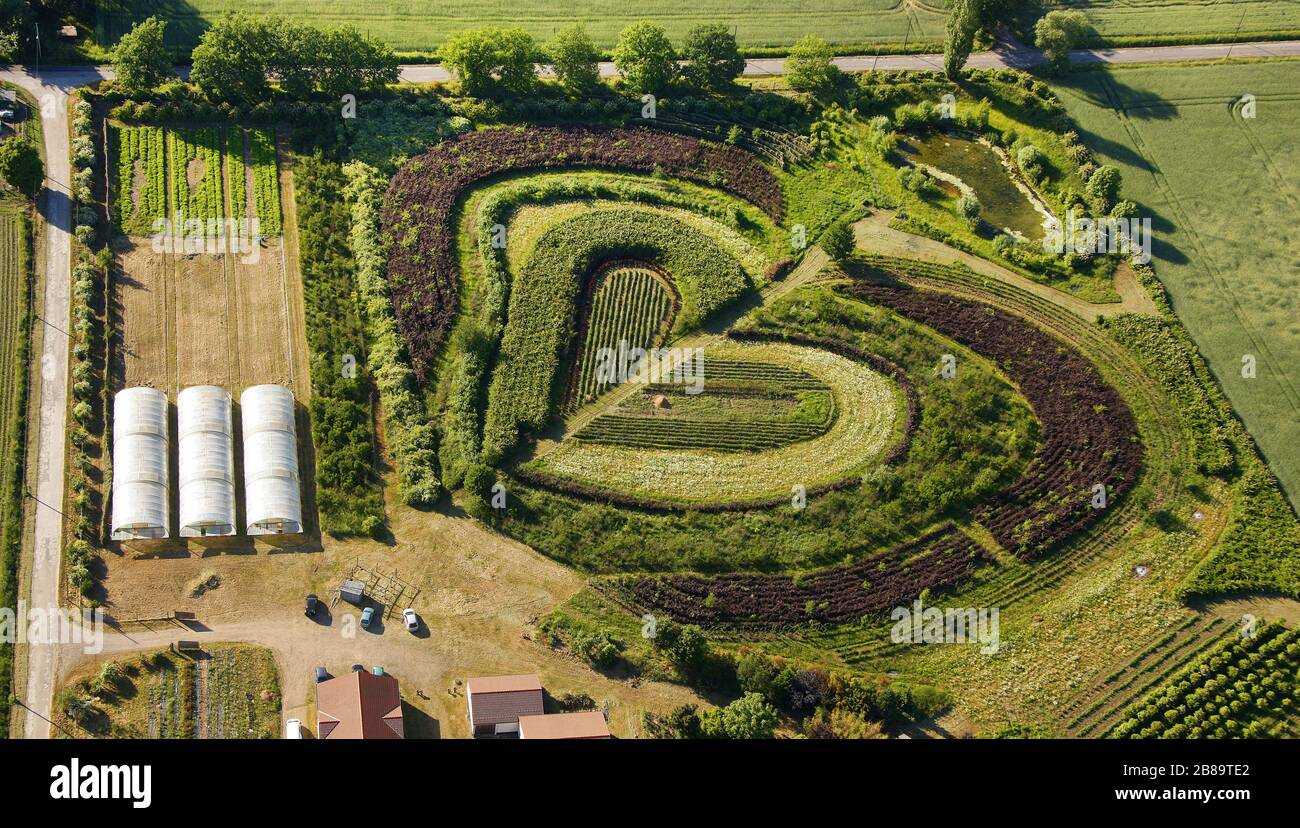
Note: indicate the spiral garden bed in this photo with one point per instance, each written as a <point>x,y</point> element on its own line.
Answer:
<point>418,208</point>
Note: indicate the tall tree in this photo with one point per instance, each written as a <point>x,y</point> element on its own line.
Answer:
<point>1057,32</point>
<point>492,57</point>
<point>964,20</point>
<point>575,58</point>
<point>20,165</point>
<point>141,59</point>
<point>809,67</point>
<point>233,58</point>
<point>712,58</point>
<point>646,57</point>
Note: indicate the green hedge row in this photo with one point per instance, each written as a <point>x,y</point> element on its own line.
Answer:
<point>411,437</point>
<point>348,492</point>
<point>11,541</point>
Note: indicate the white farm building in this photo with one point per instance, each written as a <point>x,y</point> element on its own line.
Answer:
<point>140,486</point>
<point>207,462</point>
<point>272,493</point>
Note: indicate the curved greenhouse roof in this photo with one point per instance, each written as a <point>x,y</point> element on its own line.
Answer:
<point>207,462</point>
<point>140,485</point>
<point>272,492</point>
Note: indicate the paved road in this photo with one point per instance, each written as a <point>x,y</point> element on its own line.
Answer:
<point>1010,55</point>
<point>56,205</point>
<point>1015,57</point>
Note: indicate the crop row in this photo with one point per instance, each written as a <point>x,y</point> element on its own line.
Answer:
<point>629,308</point>
<point>840,593</point>
<point>238,174</point>
<point>761,372</point>
<point>266,180</point>
<point>422,197</point>
<point>898,453</point>
<point>1089,435</point>
<point>1232,691</point>
<point>195,160</point>
<point>141,177</point>
<point>541,310</point>
<point>683,433</point>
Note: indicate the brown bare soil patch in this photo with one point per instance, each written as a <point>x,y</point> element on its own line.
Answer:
<point>144,314</point>
<point>203,345</point>
<point>262,315</point>
<point>194,172</point>
<point>138,182</point>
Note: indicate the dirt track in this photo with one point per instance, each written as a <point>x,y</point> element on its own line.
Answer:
<point>874,235</point>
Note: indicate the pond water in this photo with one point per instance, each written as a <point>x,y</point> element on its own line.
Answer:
<point>1005,206</point>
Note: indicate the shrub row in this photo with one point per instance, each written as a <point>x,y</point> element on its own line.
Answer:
<point>11,487</point>
<point>420,201</point>
<point>865,588</point>
<point>1090,437</point>
<point>1236,691</point>
<point>411,436</point>
<point>348,493</point>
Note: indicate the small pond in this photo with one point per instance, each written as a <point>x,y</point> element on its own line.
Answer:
<point>1005,205</point>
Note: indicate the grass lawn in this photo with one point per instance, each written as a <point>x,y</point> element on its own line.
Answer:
<point>1223,193</point>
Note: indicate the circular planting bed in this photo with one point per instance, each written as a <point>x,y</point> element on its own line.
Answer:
<point>744,440</point>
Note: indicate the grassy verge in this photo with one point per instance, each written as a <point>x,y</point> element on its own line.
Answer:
<point>17,279</point>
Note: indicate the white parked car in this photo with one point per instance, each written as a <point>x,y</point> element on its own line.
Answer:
<point>412,620</point>
<point>293,729</point>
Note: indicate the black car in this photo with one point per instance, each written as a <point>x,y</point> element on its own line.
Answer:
<point>312,603</point>
<point>321,674</point>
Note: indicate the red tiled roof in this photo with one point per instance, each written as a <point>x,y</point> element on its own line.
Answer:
<point>503,699</point>
<point>359,705</point>
<point>589,724</point>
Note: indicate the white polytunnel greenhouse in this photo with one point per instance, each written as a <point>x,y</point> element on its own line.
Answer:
<point>140,501</point>
<point>207,462</point>
<point>271,485</point>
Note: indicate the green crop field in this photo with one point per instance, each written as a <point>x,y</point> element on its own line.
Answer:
<point>1148,21</point>
<point>414,26</point>
<point>630,305</point>
<point>1223,192</point>
<point>194,156</point>
<point>141,177</point>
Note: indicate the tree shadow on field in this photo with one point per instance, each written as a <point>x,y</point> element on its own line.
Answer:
<point>113,18</point>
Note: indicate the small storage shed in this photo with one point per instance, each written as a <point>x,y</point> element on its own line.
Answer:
<point>272,490</point>
<point>497,702</point>
<point>354,592</point>
<point>140,484</point>
<point>587,724</point>
<point>207,462</point>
